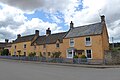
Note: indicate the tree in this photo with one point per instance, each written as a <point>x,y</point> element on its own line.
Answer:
<point>5,52</point>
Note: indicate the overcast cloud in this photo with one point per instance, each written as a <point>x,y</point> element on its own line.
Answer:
<point>13,21</point>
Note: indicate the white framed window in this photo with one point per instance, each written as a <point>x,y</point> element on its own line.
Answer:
<point>89,54</point>
<point>88,41</point>
<point>71,42</point>
<point>24,46</point>
<point>70,54</point>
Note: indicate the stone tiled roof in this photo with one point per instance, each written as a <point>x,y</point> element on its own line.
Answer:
<point>24,38</point>
<point>2,45</point>
<point>8,45</point>
<point>52,38</point>
<point>92,29</point>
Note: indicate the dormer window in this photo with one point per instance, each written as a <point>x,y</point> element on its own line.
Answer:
<point>87,41</point>
<point>71,42</point>
<point>44,46</point>
<point>57,45</point>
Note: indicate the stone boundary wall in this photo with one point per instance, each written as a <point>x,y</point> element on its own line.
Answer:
<point>112,57</point>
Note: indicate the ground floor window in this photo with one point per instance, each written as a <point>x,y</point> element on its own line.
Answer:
<point>70,54</point>
<point>49,53</point>
<point>44,54</point>
<point>24,53</point>
<point>89,54</point>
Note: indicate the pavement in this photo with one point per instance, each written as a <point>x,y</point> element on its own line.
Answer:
<point>102,66</point>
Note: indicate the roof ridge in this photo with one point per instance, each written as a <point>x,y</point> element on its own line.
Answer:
<point>88,24</point>
<point>28,35</point>
<point>53,34</point>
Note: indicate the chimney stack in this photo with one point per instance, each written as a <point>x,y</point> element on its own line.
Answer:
<point>37,32</point>
<point>102,18</point>
<point>6,40</point>
<point>71,25</point>
<point>18,36</point>
<point>48,32</point>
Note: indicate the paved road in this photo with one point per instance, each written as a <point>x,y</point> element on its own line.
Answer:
<point>32,71</point>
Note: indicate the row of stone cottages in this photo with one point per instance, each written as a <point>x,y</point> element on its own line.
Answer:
<point>90,40</point>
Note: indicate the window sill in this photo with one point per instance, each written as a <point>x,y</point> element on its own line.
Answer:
<point>88,45</point>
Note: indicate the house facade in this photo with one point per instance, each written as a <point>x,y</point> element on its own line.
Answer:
<point>22,45</point>
<point>90,40</point>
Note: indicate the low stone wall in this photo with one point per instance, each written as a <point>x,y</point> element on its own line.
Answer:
<point>112,57</point>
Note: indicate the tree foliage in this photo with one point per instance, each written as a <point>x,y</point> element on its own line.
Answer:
<point>83,57</point>
<point>5,52</point>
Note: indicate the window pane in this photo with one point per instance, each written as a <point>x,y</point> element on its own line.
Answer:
<point>69,54</point>
<point>71,42</point>
<point>88,53</point>
<point>88,39</point>
<point>57,45</point>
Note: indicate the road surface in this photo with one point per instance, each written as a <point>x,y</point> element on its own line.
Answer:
<point>10,70</point>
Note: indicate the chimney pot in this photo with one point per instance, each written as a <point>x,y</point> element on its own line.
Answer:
<point>48,31</point>
<point>71,25</point>
<point>36,32</point>
<point>102,18</point>
<point>6,40</point>
<point>18,36</point>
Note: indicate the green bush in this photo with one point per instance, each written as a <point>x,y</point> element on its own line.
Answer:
<point>75,56</point>
<point>56,54</point>
<point>5,52</point>
<point>32,54</point>
<point>83,57</point>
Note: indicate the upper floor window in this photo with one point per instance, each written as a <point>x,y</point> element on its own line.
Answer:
<point>57,45</point>
<point>24,45</point>
<point>15,46</point>
<point>88,41</point>
<point>72,42</point>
